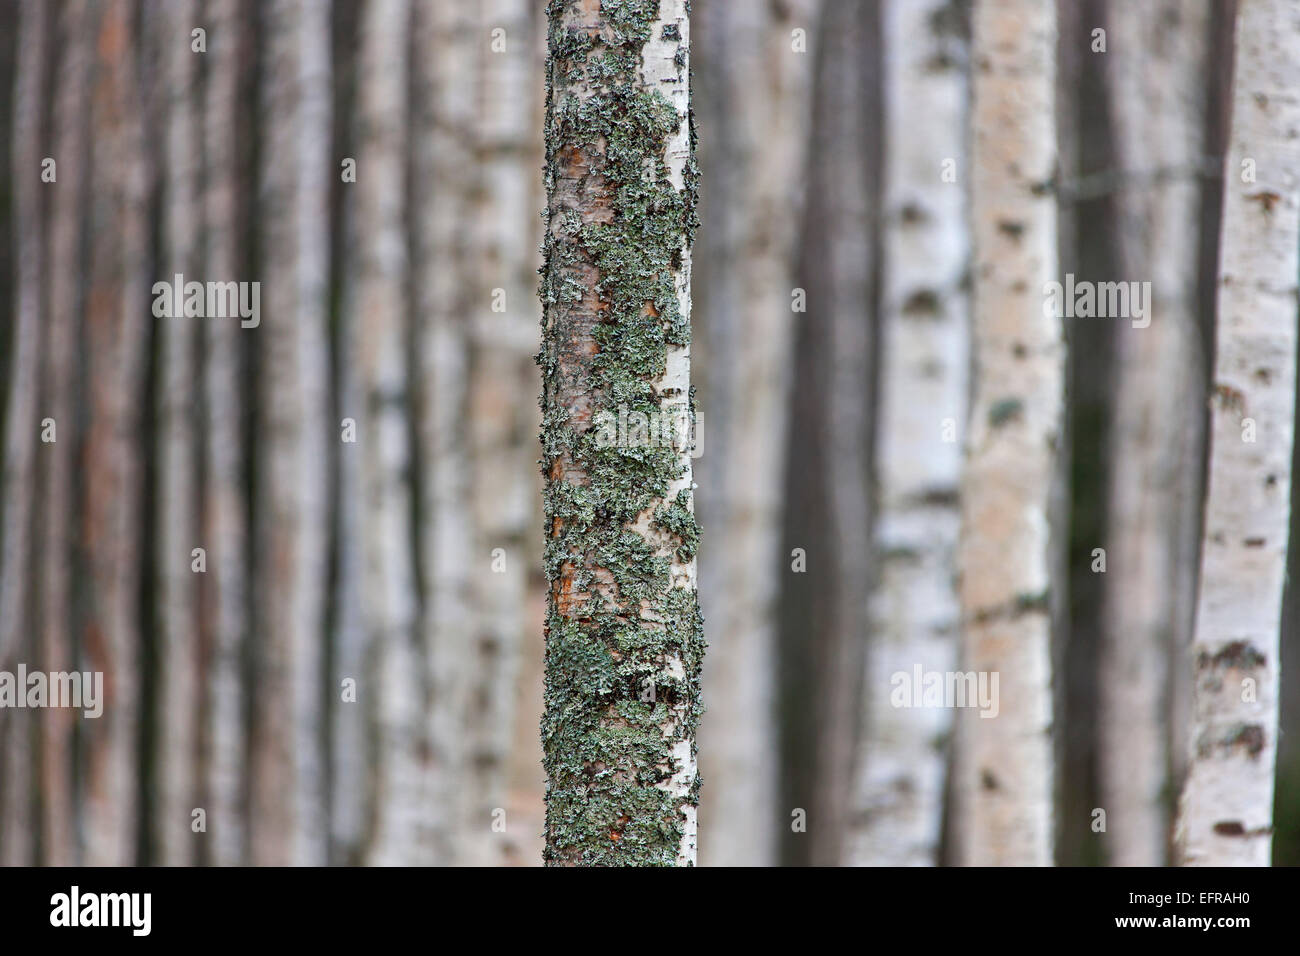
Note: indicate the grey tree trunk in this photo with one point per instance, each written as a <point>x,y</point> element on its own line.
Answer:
<point>287,815</point>
<point>924,369</point>
<point>1226,811</point>
<point>1004,776</point>
<point>624,638</point>
<point>1156,66</point>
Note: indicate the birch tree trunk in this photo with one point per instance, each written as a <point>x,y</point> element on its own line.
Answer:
<point>18,610</point>
<point>441,161</point>
<point>503,418</point>
<point>924,368</point>
<point>60,401</point>
<point>389,596</point>
<point>1226,811</point>
<point>761,123</point>
<point>287,787</point>
<point>177,699</point>
<point>1004,784</point>
<point>225,519</point>
<point>623,633</point>
<point>1156,67</point>
<point>117,338</point>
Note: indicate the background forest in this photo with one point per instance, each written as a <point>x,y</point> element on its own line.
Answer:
<point>303,543</point>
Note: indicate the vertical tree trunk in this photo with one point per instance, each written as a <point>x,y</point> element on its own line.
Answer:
<point>1004,780</point>
<point>924,372</point>
<point>60,404</point>
<point>442,158</point>
<point>117,334</point>
<point>503,417</point>
<point>225,520</point>
<point>18,611</point>
<point>1156,67</point>
<point>287,787</point>
<point>623,633</point>
<point>1226,812</point>
<point>177,699</point>
<point>760,117</point>
<point>383,428</point>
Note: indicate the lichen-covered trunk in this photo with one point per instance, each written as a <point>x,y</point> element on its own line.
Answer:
<point>1226,811</point>
<point>759,115</point>
<point>117,333</point>
<point>177,522</point>
<point>1004,778</point>
<point>287,792</point>
<point>624,638</point>
<point>225,517</point>
<point>925,353</point>
<point>18,609</point>
<point>60,403</point>
<point>379,344</point>
<point>1156,71</point>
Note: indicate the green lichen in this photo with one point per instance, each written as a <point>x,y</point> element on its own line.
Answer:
<point>615,620</point>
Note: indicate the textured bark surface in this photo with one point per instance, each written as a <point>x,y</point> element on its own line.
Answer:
<point>925,354</point>
<point>753,168</point>
<point>1156,68</point>
<point>1004,782</point>
<point>287,814</point>
<point>623,614</point>
<point>1226,811</point>
<point>117,338</point>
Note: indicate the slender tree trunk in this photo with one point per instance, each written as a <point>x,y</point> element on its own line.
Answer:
<point>923,402</point>
<point>117,334</point>
<point>62,326</point>
<point>287,788</point>
<point>1156,66</point>
<point>18,611</point>
<point>1004,783</point>
<point>177,699</point>
<point>1226,812</point>
<point>503,417</point>
<point>623,635</point>
<point>442,158</point>
<point>389,596</point>
<point>225,520</point>
<point>760,115</point>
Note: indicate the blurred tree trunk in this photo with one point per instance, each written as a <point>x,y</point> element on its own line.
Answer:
<point>287,825</point>
<point>503,417</point>
<point>225,518</point>
<point>61,401</point>
<point>18,609</point>
<point>1226,812</point>
<point>442,162</point>
<point>623,634</point>
<point>177,700</point>
<point>925,354</point>
<point>759,116</point>
<point>1004,784</point>
<point>383,429</point>
<point>117,339</point>
<point>1156,69</point>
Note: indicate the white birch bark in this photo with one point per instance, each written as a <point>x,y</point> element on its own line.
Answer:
<point>1225,815</point>
<point>380,340</point>
<point>1156,65</point>
<point>760,147</point>
<point>22,430</point>
<point>177,699</point>
<point>1004,783</point>
<point>287,788</point>
<point>225,531</point>
<point>924,368</point>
